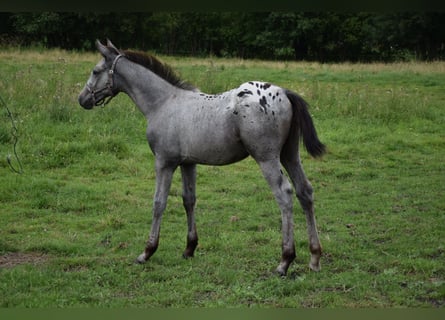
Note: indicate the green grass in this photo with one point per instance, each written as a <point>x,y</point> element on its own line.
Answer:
<point>75,220</point>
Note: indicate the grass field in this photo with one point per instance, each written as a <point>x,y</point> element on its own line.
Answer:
<point>75,220</point>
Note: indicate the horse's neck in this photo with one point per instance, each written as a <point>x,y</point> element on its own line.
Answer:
<point>147,90</point>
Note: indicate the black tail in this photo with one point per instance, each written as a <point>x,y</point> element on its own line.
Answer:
<point>303,119</point>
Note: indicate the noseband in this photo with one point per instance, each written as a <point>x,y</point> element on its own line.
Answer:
<point>108,86</point>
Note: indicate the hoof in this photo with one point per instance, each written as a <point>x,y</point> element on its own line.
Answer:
<point>314,264</point>
<point>188,254</point>
<point>141,259</point>
<point>281,271</point>
<point>315,268</point>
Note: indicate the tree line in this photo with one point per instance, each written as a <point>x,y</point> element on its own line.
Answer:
<point>317,36</point>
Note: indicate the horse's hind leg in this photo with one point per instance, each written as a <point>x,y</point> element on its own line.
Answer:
<point>283,195</point>
<point>292,164</point>
<point>189,198</point>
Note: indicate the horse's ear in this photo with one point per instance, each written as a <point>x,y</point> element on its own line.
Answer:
<point>102,49</point>
<point>111,45</point>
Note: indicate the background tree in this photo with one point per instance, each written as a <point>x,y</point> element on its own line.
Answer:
<point>321,36</point>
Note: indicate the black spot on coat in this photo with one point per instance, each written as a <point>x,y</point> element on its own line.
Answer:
<point>263,102</point>
<point>242,93</point>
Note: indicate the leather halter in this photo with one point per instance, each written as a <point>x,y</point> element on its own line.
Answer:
<point>109,86</point>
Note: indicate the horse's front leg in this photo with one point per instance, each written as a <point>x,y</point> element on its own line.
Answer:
<point>189,198</point>
<point>164,175</point>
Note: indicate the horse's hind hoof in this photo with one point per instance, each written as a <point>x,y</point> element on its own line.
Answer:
<point>315,268</point>
<point>314,264</point>
<point>280,271</point>
<point>187,255</point>
<point>141,259</point>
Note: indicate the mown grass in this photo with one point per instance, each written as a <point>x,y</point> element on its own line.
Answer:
<point>82,205</point>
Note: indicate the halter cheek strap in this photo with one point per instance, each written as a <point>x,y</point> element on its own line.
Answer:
<point>108,86</point>
<point>111,71</point>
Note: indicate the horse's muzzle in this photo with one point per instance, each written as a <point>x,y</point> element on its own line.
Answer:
<point>86,100</point>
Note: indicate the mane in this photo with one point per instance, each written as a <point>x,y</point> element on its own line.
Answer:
<point>156,66</point>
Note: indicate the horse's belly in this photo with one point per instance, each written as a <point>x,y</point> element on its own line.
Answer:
<point>215,152</point>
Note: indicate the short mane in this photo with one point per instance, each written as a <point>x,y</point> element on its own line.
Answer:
<point>156,66</point>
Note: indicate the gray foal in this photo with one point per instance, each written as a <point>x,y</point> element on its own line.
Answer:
<point>188,127</point>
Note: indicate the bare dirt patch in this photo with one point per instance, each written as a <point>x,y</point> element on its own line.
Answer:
<point>13,259</point>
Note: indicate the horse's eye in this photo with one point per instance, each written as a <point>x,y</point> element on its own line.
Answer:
<point>95,72</point>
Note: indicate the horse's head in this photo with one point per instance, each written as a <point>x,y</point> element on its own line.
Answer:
<point>100,84</point>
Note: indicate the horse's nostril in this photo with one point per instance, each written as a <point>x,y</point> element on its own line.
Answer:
<point>85,102</point>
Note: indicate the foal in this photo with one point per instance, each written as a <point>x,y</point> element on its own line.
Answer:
<point>187,127</point>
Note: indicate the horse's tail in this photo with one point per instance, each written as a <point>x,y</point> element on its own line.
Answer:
<point>302,122</point>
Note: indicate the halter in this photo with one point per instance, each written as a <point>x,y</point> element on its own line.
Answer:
<point>108,86</point>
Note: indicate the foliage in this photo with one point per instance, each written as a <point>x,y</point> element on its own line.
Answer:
<point>74,221</point>
<point>323,36</point>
